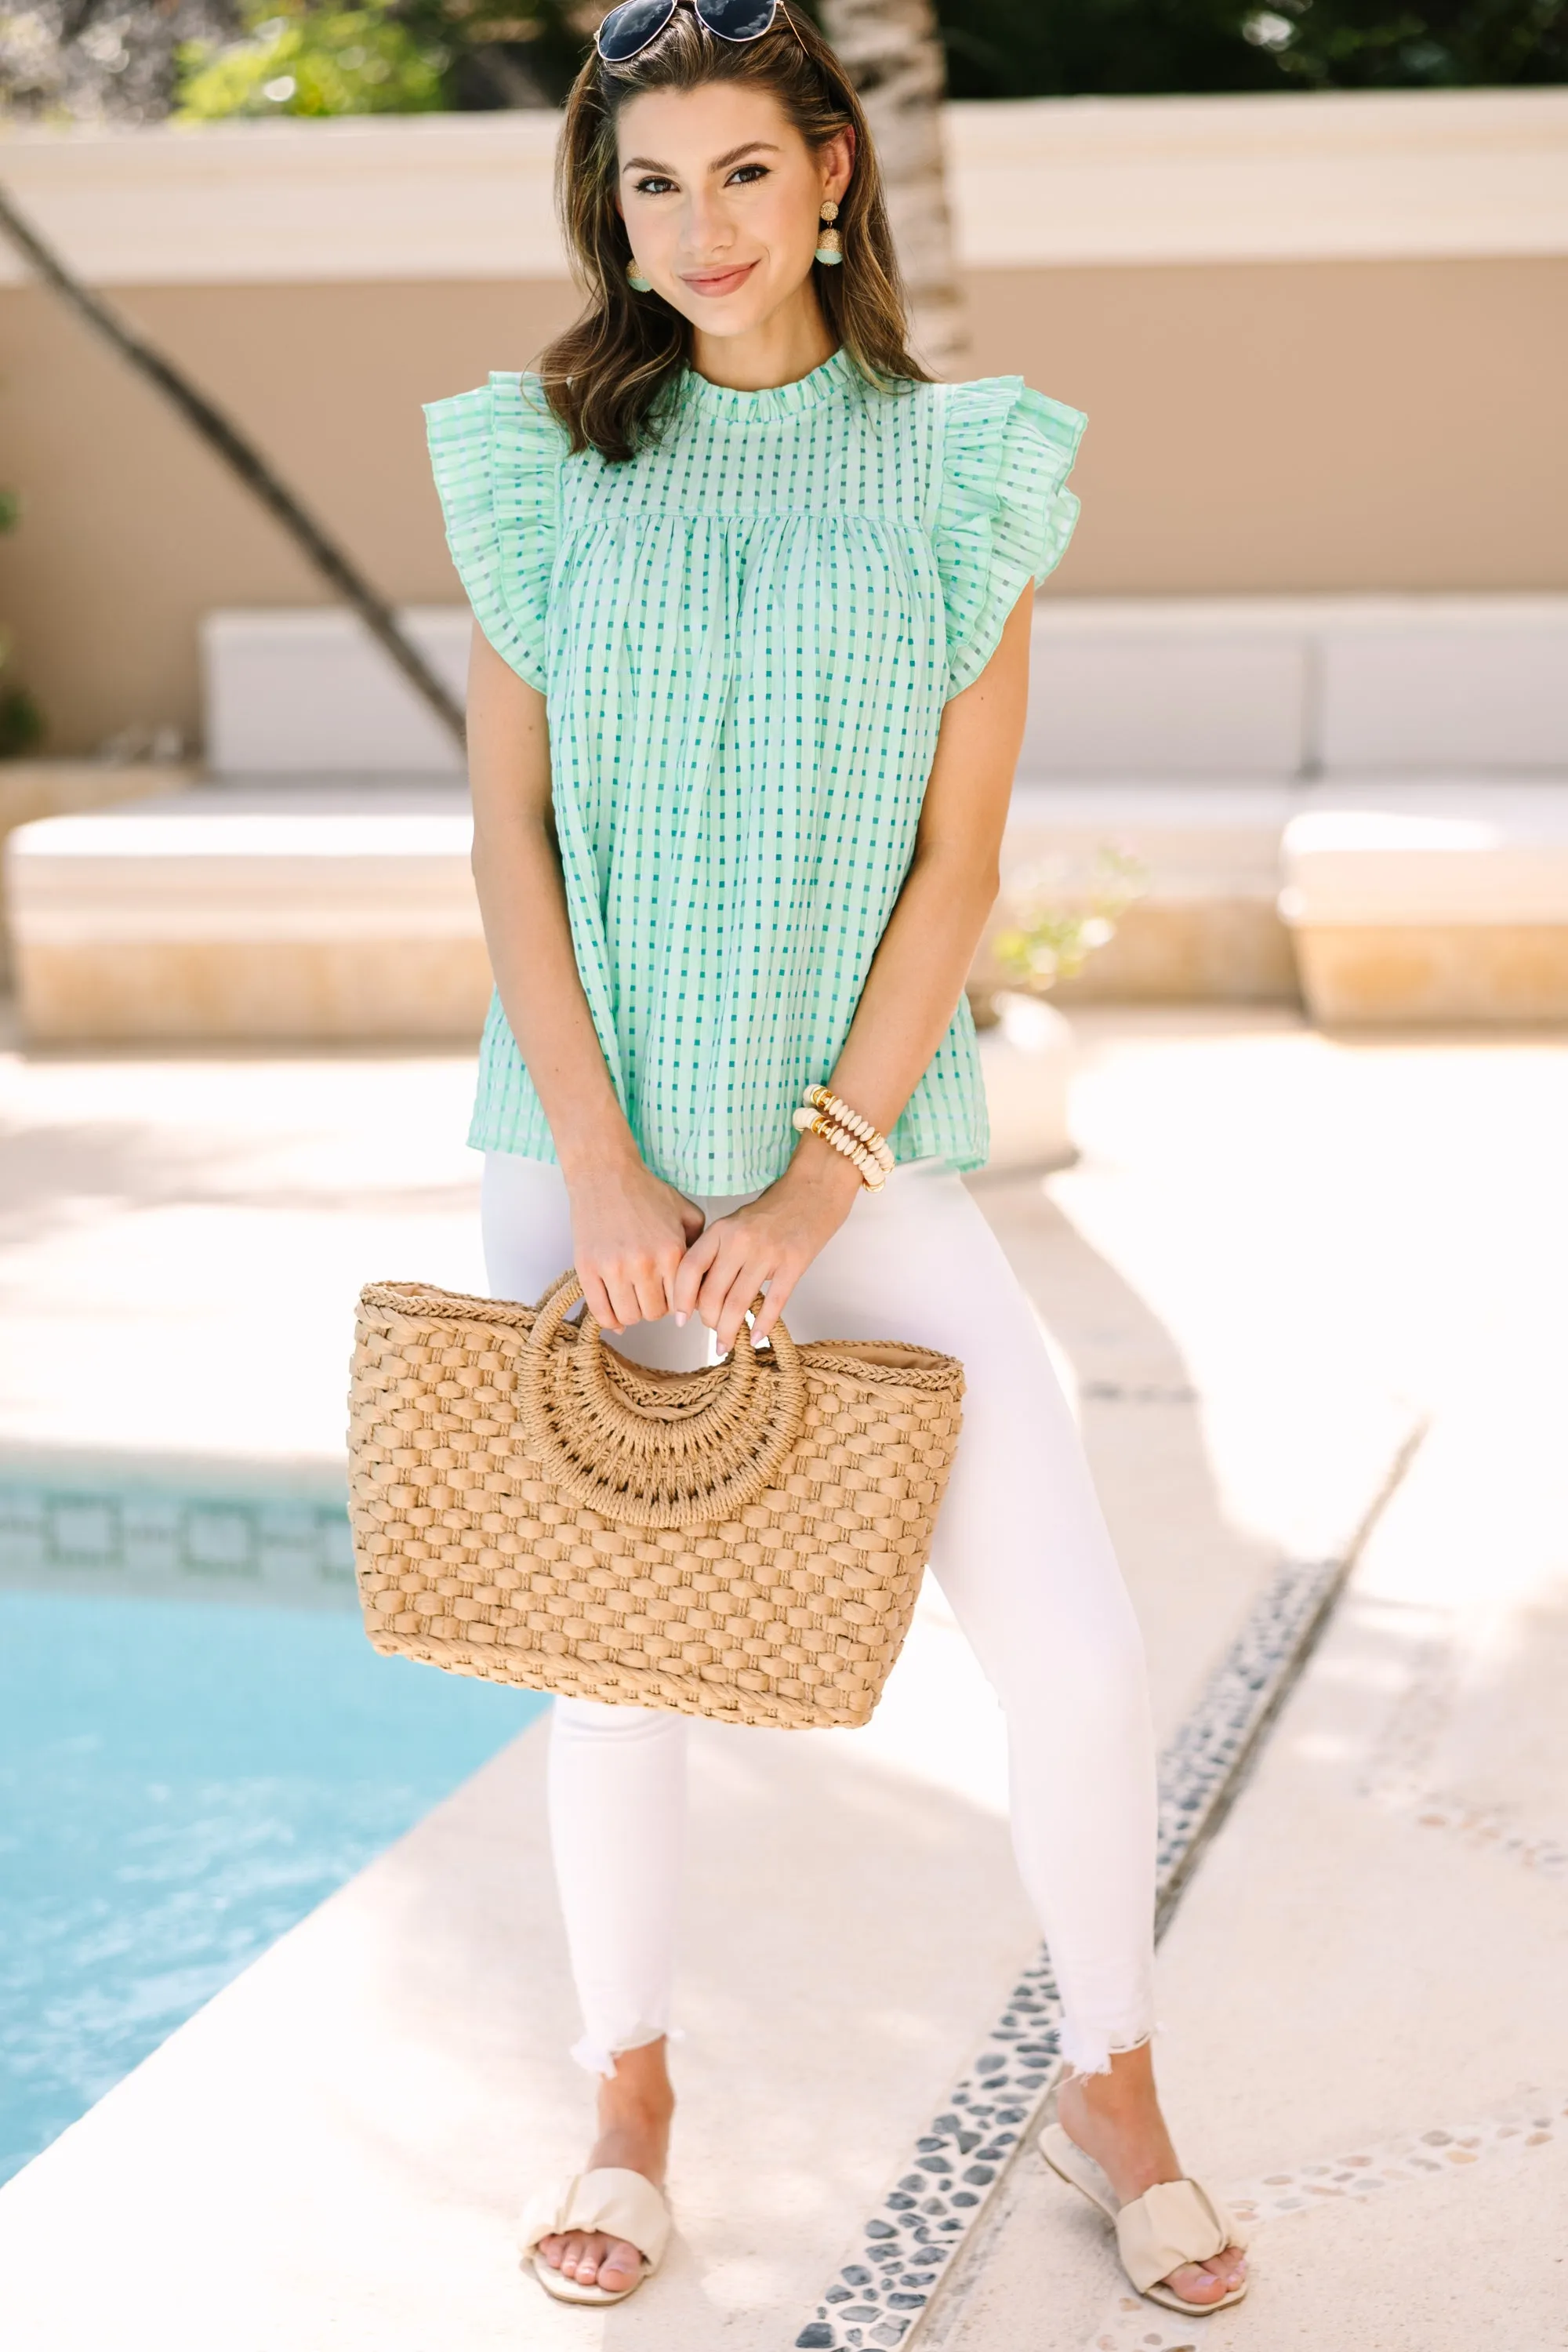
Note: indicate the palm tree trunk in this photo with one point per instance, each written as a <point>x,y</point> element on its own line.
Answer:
<point>893,53</point>
<point>243,460</point>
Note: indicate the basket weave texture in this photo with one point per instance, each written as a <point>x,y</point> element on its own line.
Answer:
<point>745,1541</point>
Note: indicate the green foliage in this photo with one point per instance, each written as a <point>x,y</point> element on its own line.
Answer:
<point>408,56</point>
<point>21,721</point>
<point>1022,49</point>
<point>1060,916</point>
<point>512,52</point>
<point>309,60</point>
<point>131,60</point>
<point>411,56</point>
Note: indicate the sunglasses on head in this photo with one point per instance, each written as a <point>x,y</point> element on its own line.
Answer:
<point>629,28</point>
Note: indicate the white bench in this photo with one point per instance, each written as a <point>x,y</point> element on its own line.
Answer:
<point>1425,876</point>
<point>1215,740</point>
<point>294,694</point>
<point>1191,733</point>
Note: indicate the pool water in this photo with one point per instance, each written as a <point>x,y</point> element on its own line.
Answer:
<point>180,1782</point>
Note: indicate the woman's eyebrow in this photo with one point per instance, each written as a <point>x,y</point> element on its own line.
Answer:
<point>752,147</point>
<point>720,163</point>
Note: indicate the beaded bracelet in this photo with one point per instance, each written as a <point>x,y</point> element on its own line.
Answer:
<point>872,1174</point>
<point>834,1108</point>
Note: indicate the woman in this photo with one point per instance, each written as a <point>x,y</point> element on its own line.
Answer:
<point>752,601</point>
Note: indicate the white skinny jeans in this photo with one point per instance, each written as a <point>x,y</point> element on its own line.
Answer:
<point>1025,1559</point>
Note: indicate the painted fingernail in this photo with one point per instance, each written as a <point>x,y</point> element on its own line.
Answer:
<point>681,1316</point>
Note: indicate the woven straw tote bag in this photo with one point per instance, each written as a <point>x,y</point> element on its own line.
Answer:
<point>745,1541</point>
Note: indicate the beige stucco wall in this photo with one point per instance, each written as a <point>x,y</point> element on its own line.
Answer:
<point>1304,426</point>
<point>133,529</point>
<point>1354,421</point>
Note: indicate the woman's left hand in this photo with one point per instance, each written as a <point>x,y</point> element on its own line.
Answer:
<point>771,1240</point>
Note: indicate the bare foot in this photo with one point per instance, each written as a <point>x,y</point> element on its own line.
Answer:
<point>635,2106</point>
<point>1115,2118</point>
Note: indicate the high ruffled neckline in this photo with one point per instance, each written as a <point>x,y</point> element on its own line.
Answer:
<point>823,383</point>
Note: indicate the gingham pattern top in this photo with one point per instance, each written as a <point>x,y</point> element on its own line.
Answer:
<point>745,636</point>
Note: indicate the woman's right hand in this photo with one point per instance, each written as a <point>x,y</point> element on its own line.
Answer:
<point>629,1232</point>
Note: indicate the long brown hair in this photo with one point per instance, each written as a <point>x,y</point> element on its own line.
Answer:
<point>604,377</point>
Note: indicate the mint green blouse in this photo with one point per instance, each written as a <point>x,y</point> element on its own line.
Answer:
<point>745,636</point>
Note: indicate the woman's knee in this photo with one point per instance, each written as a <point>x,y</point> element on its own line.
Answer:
<point>1093,1666</point>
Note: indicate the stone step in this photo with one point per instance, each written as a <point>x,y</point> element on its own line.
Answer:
<point>1435,901</point>
<point>326,910</point>
<point>322,910</point>
<point>304,911</point>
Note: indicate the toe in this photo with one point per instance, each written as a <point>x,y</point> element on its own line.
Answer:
<point>1211,2280</point>
<point>1196,2282</point>
<point>552,2250</point>
<point>621,2267</point>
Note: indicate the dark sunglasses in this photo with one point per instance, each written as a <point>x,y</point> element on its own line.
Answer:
<point>629,28</point>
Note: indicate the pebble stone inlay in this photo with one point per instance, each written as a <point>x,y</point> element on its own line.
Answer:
<point>1400,1774</point>
<point>1487,1829</point>
<point>59,1540</point>
<point>878,2296</point>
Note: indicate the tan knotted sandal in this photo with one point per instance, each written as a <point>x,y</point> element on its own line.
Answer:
<point>1175,2221</point>
<point>616,2203</point>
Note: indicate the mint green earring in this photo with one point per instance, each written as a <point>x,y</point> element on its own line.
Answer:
<point>636,281</point>
<point>829,244</point>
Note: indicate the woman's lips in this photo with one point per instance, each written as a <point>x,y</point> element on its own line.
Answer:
<point>717,281</point>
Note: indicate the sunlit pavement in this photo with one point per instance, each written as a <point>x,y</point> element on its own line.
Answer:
<point>1276,1256</point>
<point>1364,2043</point>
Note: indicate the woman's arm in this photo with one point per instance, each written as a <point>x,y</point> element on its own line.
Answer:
<point>916,978</point>
<point>629,1230</point>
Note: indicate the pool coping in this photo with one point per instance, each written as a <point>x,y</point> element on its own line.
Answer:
<point>93,1523</point>
<point>44,1462</point>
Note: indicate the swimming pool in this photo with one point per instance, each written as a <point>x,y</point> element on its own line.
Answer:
<point>180,1782</point>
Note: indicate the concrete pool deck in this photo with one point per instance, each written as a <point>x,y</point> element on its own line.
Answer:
<point>1276,1256</point>
<point>1362,1988</point>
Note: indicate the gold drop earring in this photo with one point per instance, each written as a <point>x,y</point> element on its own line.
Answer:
<point>635,280</point>
<point>829,244</point>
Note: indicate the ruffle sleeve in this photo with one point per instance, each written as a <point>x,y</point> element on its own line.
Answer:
<point>1003,512</point>
<point>496,454</point>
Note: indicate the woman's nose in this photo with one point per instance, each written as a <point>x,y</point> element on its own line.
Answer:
<point>707,229</point>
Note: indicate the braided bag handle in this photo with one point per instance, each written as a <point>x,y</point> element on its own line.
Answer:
<point>655,1465</point>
